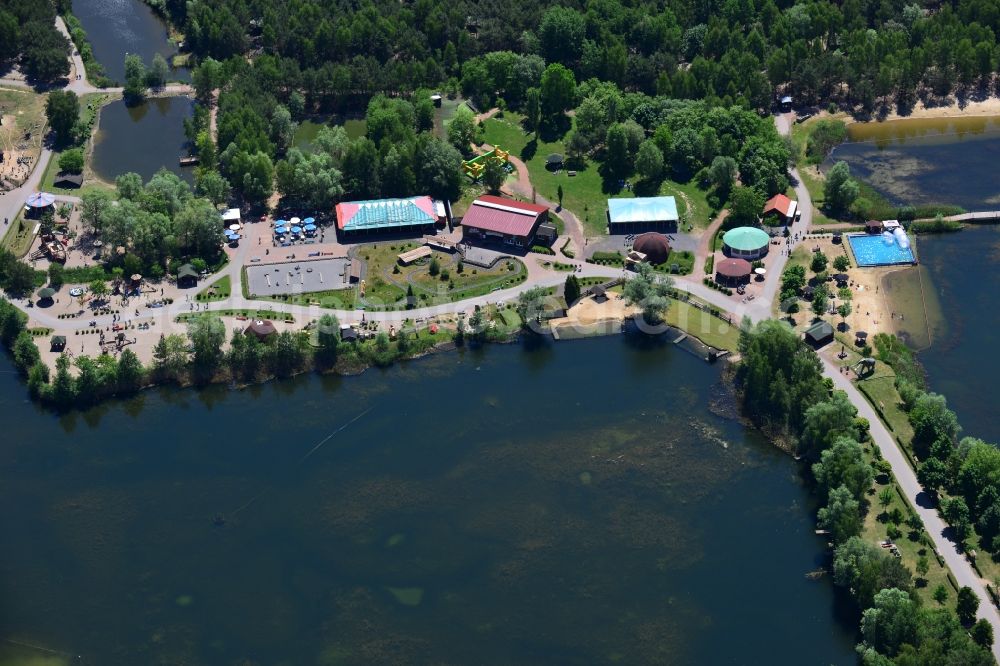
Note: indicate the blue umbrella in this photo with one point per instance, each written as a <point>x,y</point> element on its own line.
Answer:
<point>310,227</point>
<point>308,221</point>
<point>279,223</point>
<point>281,230</point>
<point>296,230</point>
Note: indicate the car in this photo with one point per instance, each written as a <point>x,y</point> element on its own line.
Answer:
<point>76,291</point>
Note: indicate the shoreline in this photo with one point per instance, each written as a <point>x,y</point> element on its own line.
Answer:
<point>955,109</point>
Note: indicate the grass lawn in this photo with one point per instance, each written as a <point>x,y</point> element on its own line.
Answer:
<point>387,282</point>
<point>710,330</point>
<point>585,194</point>
<point>911,545</point>
<point>217,291</point>
<point>880,389</point>
<point>261,313</point>
<point>334,299</point>
<point>18,237</point>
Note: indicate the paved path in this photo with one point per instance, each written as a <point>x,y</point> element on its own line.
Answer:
<point>921,501</point>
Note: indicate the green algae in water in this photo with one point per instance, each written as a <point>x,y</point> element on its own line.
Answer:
<point>184,600</point>
<point>395,540</point>
<point>408,596</point>
<point>586,478</point>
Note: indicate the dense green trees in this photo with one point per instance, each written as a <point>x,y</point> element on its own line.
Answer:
<point>839,190</point>
<point>62,108</point>
<point>71,161</point>
<point>27,29</point>
<point>650,292</point>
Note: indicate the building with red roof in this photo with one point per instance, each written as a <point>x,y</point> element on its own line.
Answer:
<point>493,219</point>
<point>779,210</point>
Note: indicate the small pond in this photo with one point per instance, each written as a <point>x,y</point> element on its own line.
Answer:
<point>307,130</point>
<point>927,160</point>
<point>116,28</point>
<point>142,138</point>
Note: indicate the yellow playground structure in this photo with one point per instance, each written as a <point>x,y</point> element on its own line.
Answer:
<point>474,168</point>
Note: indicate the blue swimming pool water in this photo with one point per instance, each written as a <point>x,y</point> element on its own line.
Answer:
<point>874,251</point>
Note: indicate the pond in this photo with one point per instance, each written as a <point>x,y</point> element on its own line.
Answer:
<point>142,138</point>
<point>435,512</point>
<point>927,160</point>
<point>961,361</point>
<point>116,28</point>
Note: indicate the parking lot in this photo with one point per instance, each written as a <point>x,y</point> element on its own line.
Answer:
<point>298,277</point>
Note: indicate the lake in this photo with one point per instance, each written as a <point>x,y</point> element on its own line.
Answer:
<point>142,138</point>
<point>927,160</point>
<point>575,503</point>
<point>961,362</point>
<point>116,28</point>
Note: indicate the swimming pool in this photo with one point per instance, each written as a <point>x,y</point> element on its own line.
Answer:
<point>872,250</point>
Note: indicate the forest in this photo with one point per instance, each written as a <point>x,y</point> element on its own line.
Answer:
<point>28,36</point>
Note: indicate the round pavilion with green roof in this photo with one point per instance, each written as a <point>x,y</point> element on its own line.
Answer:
<point>746,243</point>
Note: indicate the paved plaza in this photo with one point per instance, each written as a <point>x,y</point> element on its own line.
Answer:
<point>298,277</point>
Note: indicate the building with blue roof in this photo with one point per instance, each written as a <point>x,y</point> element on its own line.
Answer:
<point>642,214</point>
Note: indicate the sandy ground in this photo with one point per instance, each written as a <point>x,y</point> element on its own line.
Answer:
<point>871,311</point>
<point>987,107</point>
<point>588,314</point>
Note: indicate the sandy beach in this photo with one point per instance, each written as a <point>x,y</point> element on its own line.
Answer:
<point>987,107</point>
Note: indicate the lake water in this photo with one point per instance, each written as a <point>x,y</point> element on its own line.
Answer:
<point>961,362</point>
<point>116,28</point>
<point>142,138</point>
<point>927,161</point>
<point>570,504</point>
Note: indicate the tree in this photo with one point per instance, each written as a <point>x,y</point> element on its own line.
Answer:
<point>206,77</point>
<point>135,79</point>
<point>825,136</point>
<point>170,356</point>
<point>533,108</point>
<point>864,569</point>
<point>25,352</point>
<point>819,262</point>
<point>211,185</point>
<point>844,310</point>
<point>940,594</point>
<point>933,474</point>
<point>494,175</point>
<point>530,304</point>
<point>649,161</point>
<point>841,263</point>
<point>617,159</point>
<point>130,371</point>
<point>197,228</point>
<point>650,293</point>
<point>435,267</point>
<point>45,52</point>
<point>328,337</point>
<point>311,180</point>
<point>572,290</point>
<point>923,567</point>
<point>956,512</point>
<point>440,170</point>
<point>891,623</point>
<point>820,301</point>
<point>982,633</point>
<point>745,206</point>
<point>129,186</point>
<point>62,109</point>
<point>722,173</point>
<point>843,464</point>
<point>841,516</point>
<point>932,421</point>
<point>840,189</point>
<point>561,33</point>
<point>71,161</point>
<point>558,92</point>
<point>207,334</point>
<point>885,498</point>
<point>967,605</point>
<point>462,130</point>
<point>56,277</point>
<point>98,289</point>
<point>158,72</point>
<point>826,422</point>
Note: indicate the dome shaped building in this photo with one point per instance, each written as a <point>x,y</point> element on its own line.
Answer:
<point>654,246</point>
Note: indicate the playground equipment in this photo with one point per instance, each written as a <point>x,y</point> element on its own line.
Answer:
<point>474,168</point>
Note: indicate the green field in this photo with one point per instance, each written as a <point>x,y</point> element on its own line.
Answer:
<point>334,299</point>
<point>219,290</point>
<point>700,324</point>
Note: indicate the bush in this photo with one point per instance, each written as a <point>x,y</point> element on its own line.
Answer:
<point>71,161</point>
<point>541,249</point>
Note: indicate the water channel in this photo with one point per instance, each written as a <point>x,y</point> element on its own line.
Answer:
<point>116,28</point>
<point>927,160</point>
<point>142,138</point>
<point>571,503</point>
